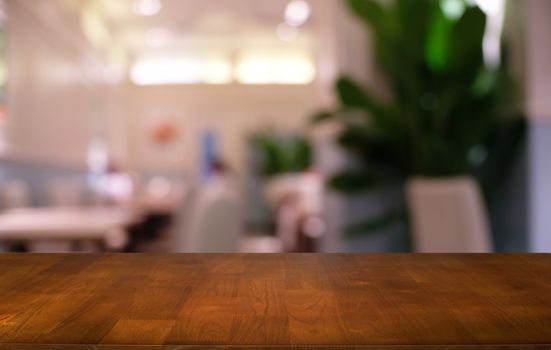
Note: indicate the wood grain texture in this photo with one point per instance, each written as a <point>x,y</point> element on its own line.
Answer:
<point>306,301</point>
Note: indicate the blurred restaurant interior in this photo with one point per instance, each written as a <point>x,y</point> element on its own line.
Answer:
<point>275,126</point>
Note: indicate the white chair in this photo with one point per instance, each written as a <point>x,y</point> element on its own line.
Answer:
<point>448,216</point>
<point>211,222</point>
<point>214,223</point>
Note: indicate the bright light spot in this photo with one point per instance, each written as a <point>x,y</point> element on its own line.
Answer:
<point>156,37</point>
<point>269,69</point>
<point>453,9</point>
<point>118,186</point>
<point>181,70</point>
<point>286,32</point>
<point>297,12</point>
<point>295,70</point>
<point>495,12</point>
<point>165,70</point>
<point>147,7</point>
<point>491,7</point>
<point>254,70</point>
<point>217,71</point>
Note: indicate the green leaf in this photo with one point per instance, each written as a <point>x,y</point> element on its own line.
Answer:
<point>374,225</point>
<point>282,154</point>
<point>466,42</point>
<point>371,13</point>
<point>437,51</point>
<point>353,96</point>
<point>352,181</point>
<point>299,155</point>
<point>413,19</point>
<point>356,138</point>
<point>371,150</point>
<point>322,116</point>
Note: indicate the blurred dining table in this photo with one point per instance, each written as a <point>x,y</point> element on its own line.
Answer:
<point>51,225</point>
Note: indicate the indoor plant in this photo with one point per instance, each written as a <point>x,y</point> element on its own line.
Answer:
<point>449,115</point>
<point>282,160</point>
<point>281,154</point>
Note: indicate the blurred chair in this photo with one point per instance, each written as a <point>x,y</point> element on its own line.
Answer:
<point>64,193</point>
<point>214,222</point>
<point>14,194</point>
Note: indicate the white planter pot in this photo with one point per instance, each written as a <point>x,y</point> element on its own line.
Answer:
<point>447,215</point>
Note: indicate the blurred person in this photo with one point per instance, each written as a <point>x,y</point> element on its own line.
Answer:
<point>297,200</point>
<point>115,185</point>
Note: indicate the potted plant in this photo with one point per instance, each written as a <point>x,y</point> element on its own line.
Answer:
<point>282,161</point>
<point>450,127</point>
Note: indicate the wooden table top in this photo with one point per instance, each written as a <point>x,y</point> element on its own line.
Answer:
<point>371,301</point>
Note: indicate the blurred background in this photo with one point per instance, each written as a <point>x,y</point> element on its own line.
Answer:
<point>275,126</point>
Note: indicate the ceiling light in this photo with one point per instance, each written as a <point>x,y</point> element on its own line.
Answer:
<point>165,70</point>
<point>147,7</point>
<point>254,69</point>
<point>297,13</point>
<point>217,71</point>
<point>275,69</point>
<point>294,69</point>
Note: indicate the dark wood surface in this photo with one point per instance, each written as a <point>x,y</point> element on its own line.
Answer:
<point>55,301</point>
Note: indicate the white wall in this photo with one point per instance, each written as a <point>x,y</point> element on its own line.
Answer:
<point>51,94</point>
<point>232,111</point>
